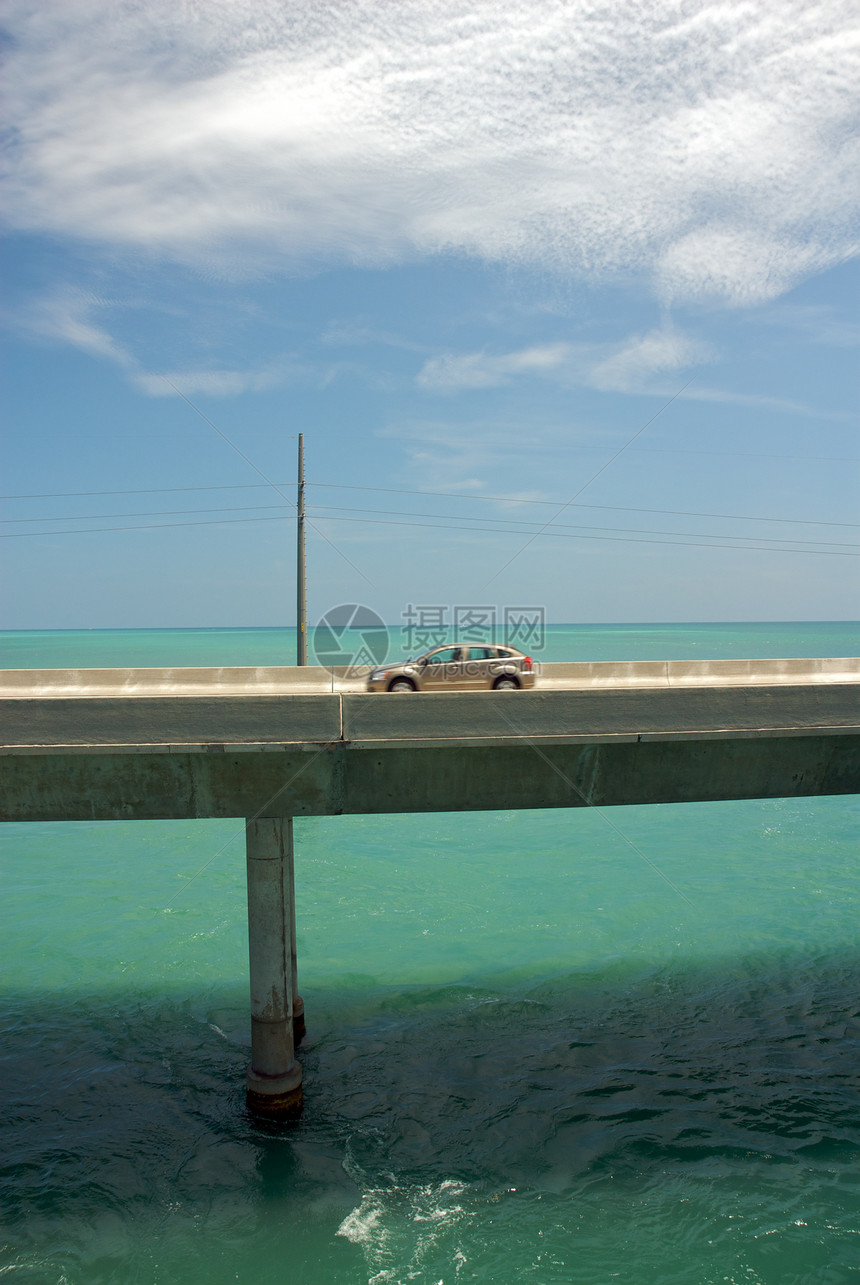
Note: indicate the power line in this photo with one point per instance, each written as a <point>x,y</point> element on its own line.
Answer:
<point>260,473</point>
<point>391,490</point>
<point>613,508</point>
<point>247,486</point>
<point>749,455</point>
<point>330,509</point>
<point>153,490</point>
<point>593,478</point>
<point>566,535</point>
<point>512,522</point>
<point>143,526</point>
<point>445,526</point>
<point>155,513</point>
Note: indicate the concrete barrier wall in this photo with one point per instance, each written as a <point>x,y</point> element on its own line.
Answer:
<point>571,715</point>
<point>273,680</point>
<point>699,673</point>
<point>148,721</point>
<point>224,681</point>
<point>302,719</point>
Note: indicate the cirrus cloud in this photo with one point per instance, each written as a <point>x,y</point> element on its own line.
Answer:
<point>707,146</point>
<point>628,366</point>
<point>452,373</point>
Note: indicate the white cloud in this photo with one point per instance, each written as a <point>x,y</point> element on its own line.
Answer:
<point>818,324</point>
<point>625,367</point>
<point>784,405</point>
<point>451,373</point>
<point>479,455</point>
<point>633,366</point>
<point>630,367</point>
<point>67,315</point>
<point>721,261</point>
<point>357,333</point>
<point>212,383</point>
<point>708,146</point>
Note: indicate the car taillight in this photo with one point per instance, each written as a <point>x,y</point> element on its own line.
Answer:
<point>528,666</point>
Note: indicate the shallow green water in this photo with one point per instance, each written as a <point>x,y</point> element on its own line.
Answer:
<point>96,648</point>
<point>528,1058</point>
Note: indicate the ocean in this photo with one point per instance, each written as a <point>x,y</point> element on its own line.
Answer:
<point>529,1057</point>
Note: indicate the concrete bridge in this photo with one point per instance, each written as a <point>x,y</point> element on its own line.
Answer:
<point>270,744</point>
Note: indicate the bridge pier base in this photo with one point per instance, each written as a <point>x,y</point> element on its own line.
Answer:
<point>274,1087</point>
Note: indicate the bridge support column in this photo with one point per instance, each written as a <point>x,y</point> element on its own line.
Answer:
<point>298,1002</point>
<point>275,1077</point>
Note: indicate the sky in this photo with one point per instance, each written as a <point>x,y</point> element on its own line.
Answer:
<point>562,295</point>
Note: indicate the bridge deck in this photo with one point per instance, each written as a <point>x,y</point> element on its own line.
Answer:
<point>164,743</point>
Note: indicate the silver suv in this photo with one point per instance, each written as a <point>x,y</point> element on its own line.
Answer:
<point>457,668</point>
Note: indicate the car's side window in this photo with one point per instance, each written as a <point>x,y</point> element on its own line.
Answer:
<point>481,653</point>
<point>442,657</point>
<point>503,651</point>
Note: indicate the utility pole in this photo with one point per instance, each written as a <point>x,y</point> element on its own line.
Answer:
<point>301,602</point>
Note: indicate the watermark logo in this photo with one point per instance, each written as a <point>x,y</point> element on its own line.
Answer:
<point>525,627</point>
<point>431,625</point>
<point>424,627</point>
<point>475,624</point>
<point>353,636</point>
<point>350,636</point>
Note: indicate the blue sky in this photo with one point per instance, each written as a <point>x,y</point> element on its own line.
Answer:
<point>470,253</point>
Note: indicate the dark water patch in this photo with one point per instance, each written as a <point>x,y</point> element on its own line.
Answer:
<point>716,1117</point>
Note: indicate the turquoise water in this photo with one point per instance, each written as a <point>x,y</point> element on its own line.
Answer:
<point>528,1058</point>
<point>97,648</point>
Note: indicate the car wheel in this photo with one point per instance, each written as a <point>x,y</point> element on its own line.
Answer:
<point>402,685</point>
<point>505,685</point>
